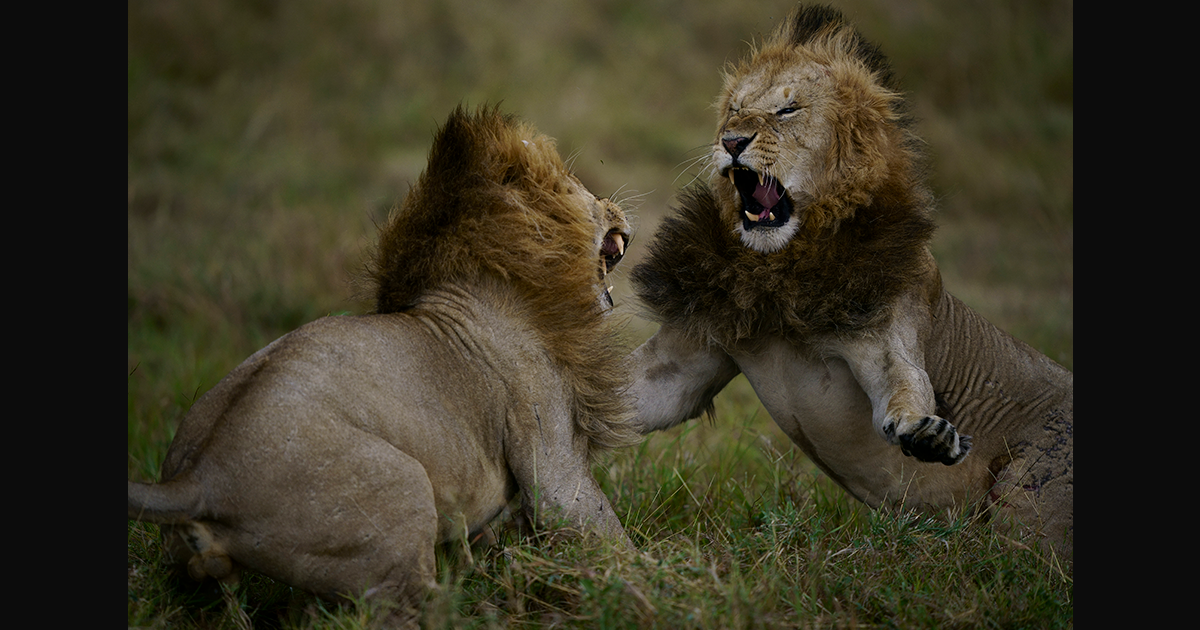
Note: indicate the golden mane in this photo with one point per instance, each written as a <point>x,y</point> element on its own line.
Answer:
<point>496,201</point>
<point>874,153</point>
<point>863,233</point>
<point>802,263</point>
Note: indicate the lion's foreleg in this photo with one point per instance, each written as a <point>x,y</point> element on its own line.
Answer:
<point>889,366</point>
<point>573,499</point>
<point>675,379</point>
<point>553,472</point>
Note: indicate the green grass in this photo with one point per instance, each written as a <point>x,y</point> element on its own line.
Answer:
<point>734,528</point>
<point>267,139</point>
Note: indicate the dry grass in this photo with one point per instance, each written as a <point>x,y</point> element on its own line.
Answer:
<point>266,139</point>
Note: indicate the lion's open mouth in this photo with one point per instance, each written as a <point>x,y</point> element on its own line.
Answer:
<point>612,250</point>
<point>765,202</point>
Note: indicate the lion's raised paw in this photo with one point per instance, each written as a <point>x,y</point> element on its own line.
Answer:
<point>932,439</point>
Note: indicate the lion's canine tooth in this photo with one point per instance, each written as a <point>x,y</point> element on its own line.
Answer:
<point>760,179</point>
<point>620,241</point>
<point>751,215</point>
<point>770,216</point>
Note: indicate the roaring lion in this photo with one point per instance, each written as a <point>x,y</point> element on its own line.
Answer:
<point>335,458</point>
<point>803,263</point>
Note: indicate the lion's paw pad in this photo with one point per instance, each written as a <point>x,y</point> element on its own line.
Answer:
<point>934,439</point>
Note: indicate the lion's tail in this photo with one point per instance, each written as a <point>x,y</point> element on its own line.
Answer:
<point>174,502</point>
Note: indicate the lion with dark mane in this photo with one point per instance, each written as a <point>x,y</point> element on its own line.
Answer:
<point>804,264</point>
<point>336,458</point>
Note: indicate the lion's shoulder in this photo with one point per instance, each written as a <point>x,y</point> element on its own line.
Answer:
<point>497,207</point>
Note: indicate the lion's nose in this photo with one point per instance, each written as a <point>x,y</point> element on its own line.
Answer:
<point>735,146</point>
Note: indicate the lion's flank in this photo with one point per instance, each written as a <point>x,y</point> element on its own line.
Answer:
<point>496,203</point>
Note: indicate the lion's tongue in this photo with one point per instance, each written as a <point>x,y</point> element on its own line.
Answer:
<point>767,194</point>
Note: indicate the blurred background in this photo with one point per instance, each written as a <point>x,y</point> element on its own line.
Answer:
<point>267,139</point>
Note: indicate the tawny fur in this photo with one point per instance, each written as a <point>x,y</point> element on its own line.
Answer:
<point>825,279</point>
<point>472,214</point>
<point>338,456</point>
<point>832,306</point>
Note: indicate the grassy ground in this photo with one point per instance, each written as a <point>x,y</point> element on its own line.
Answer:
<point>266,139</point>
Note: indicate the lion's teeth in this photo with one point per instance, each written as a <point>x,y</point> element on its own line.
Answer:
<point>620,241</point>
<point>732,180</point>
<point>760,179</point>
<point>751,215</point>
<point>770,216</point>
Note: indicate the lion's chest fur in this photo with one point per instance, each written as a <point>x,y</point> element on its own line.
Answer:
<point>700,278</point>
<point>781,317</point>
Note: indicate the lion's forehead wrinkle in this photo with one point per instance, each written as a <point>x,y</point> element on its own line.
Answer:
<point>761,106</point>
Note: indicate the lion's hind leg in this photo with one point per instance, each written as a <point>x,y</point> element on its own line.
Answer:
<point>1032,499</point>
<point>393,537</point>
<point>348,517</point>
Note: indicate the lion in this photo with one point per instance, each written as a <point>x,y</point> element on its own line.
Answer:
<point>338,456</point>
<point>803,263</point>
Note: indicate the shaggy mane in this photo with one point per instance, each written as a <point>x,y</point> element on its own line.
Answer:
<point>863,237</point>
<point>873,142</point>
<point>495,202</point>
<point>699,278</point>
<point>823,27</point>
